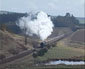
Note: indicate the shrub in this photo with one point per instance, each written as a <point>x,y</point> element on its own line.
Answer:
<point>48,46</point>
<point>2,56</point>
<point>35,55</point>
<point>41,52</point>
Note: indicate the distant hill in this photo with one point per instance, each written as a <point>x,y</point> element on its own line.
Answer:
<point>81,19</point>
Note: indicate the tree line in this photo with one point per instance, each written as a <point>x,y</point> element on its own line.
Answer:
<point>59,21</point>
<point>11,17</point>
<point>66,21</point>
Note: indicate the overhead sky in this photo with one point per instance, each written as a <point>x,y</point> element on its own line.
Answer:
<point>52,7</point>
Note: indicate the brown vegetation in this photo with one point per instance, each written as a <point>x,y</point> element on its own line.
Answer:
<point>79,36</point>
<point>11,44</point>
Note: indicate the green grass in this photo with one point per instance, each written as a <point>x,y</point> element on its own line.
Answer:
<point>61,52</point>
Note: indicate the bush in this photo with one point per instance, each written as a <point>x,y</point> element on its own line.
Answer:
<point>35,55</point>
<point>41,52</point>
<point>54,45</point>
<point>2,56</point>
<point>48,46</point>
<point>45,50</point>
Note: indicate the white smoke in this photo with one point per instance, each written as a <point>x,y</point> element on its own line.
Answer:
<point>41,25</point>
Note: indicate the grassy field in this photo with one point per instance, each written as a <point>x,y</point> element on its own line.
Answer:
<point>61,52</point>
<point>65,50</point>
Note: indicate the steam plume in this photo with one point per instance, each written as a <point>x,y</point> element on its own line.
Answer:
<point>40,25</point>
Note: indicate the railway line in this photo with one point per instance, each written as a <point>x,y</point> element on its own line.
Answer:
<point>53,40</point>
<point>28,52</point>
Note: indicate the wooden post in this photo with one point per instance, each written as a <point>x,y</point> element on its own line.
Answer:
<point>25,40</point>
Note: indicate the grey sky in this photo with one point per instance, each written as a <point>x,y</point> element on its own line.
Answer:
<point>53,7</point>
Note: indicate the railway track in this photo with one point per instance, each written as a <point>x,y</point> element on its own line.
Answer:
<point>55,39</point>
<point>28,52</point>
<point>12,58</point>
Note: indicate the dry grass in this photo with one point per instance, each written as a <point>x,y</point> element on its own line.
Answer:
<point>10,41</point>
<point>78,36</point>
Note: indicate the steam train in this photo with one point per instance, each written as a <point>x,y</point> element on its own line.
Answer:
<point>53,40</point>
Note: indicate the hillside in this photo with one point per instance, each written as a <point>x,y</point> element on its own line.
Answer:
<point>75,40</point>
<point>78,36</point>
<point>12,44</point>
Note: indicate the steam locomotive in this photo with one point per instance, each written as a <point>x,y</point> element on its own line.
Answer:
<point>51,41</point>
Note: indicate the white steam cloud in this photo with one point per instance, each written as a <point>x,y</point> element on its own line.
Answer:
<point>40,25</point>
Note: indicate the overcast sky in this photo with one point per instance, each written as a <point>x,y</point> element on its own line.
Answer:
<point>52,7</point>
